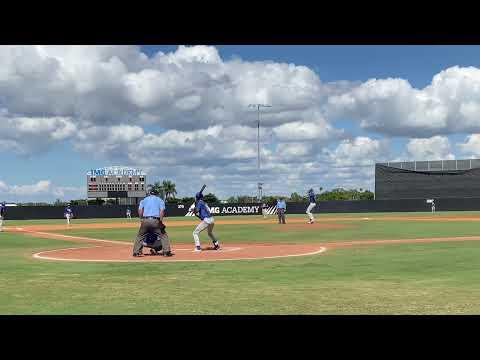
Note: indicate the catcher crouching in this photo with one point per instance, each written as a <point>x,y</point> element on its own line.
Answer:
<point>151,211</point>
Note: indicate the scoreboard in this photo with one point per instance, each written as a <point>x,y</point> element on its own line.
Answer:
<point>117,182</point>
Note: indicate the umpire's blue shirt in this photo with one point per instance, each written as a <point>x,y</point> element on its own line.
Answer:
<point>152,205</point>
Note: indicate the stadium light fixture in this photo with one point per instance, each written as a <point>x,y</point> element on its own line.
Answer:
<point>259,184</point>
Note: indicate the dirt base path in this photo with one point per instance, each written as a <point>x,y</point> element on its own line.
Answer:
<point>123,253</point>
<point>119,251</point>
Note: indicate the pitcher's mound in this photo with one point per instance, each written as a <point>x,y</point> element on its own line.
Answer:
<point>123,253</point>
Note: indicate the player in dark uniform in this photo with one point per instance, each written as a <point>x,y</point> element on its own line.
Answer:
<point>202,211</point>
<point>68,214</point>
<point>3,211</point>
<point>311,198</point>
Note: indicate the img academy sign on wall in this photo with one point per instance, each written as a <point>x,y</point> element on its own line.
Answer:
<point>229,209</point>
<point>116,171</point>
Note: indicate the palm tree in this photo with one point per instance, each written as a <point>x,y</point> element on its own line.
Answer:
<point>169,189</point>
<point>157,186</point>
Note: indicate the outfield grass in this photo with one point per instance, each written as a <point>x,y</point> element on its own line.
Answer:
<point>262,233</point>
<point>437,278</point>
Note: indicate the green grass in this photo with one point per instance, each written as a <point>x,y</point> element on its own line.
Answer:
<point>438,278</point>
<point>317,215</point>
<point>261,233</point>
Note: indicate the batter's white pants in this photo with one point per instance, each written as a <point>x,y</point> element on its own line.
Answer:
<point>68,219</point>
<point>309,209</point>
<point>206,223</point>
<point>1,223</point>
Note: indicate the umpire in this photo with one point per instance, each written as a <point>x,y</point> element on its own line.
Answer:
<point>281,208</point>
<point>151,211</point>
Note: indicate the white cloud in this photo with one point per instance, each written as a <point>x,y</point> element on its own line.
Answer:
<point>392,106</point>
<point>360,151</point>
<point>471,146</point>
<point>434,148</point>
<point>27,135</point>
<point>43,189</point>
<point>185,115</point>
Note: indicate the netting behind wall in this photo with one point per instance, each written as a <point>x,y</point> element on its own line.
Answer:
<point>395,183</point>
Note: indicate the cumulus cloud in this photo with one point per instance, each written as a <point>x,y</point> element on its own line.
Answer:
<point>185,114</point>
<point>471,146</point>
<point>360,151</point>
<point>43,189</point>
<point>26,135</point>
<point>434,148</point>
<point>392,106</point>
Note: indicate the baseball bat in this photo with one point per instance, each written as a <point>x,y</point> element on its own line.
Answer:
<point>195,202</point>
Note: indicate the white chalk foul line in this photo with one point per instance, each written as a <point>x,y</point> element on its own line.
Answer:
<point>38,256</point>
<point>77,237</point>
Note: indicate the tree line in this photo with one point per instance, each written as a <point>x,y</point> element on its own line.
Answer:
<point>334,194</point>
<point>168,191</point>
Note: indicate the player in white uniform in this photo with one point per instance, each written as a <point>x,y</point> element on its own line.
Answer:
<point>264,210</point>
<point>311,198</point>
<point>68,214</point>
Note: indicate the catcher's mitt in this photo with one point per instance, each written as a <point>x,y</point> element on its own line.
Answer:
<point>162,228</point>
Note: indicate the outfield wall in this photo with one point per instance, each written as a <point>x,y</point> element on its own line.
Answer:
<point>357,206</point>
<point>393,183</point>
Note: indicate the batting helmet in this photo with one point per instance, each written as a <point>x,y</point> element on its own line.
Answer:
<point>198,196</point>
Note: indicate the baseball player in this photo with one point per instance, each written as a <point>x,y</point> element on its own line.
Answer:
<point>311,198</point>
<point>264,210</point>
<point>129,213</point>
<point>3,211</point>
<point>153,242</point>
<point>433,206</point>
<point>68,214</point>
<point>202,211</point>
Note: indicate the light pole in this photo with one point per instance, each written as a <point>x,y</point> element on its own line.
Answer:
<point>259,184</point>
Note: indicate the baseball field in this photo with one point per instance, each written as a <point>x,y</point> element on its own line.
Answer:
<point>402,263</point>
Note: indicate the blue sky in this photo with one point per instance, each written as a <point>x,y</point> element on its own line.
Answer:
<point>389,118</point>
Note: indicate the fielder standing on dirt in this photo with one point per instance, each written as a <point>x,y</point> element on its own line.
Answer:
<point>151,211</point>
<point>68,214</point>
<point>311,206</point>
<point>3,211</point>
<point>202,211</point>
